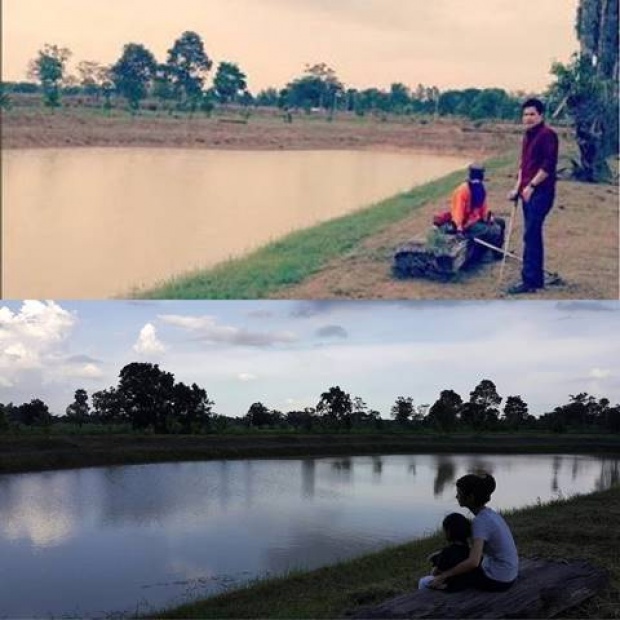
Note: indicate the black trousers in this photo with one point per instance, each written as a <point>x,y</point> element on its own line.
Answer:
<point>476,579</point>
<point>534,213</point>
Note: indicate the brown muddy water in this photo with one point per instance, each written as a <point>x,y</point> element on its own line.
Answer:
<point>98,223</point>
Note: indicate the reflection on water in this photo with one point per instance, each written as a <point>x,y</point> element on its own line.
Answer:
<point>86,223</point>
<point>139,537</point>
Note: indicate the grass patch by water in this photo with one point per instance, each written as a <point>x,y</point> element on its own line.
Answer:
<point>582,527</point>
<point>301,254</point>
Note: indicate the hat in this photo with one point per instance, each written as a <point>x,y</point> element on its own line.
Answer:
<point>476,171</point>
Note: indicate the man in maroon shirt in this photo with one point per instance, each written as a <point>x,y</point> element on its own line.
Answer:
<point>536,186</point>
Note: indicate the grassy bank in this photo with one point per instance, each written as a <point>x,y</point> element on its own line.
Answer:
<point>555,531</point>
<point>290,260</point>
<point>22,453</point>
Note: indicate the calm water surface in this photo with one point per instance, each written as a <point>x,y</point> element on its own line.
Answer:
<point>93,223</point>
<point>107,540</point>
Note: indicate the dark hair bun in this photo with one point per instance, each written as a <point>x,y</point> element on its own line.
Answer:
<point>489,483</point>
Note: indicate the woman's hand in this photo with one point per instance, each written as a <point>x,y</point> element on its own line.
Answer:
<point>439,583</point>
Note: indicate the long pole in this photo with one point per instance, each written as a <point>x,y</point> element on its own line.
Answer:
<point>490,246</point>
<point>507,240</point>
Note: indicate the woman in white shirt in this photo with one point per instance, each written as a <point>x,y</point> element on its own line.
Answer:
<point>493,562</point>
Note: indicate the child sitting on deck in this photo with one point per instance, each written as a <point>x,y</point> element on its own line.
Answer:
<point>457,530</point>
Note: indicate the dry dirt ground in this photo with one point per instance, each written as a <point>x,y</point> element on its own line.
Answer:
<point>581,245</point>
<point>34,128</point>
<point>581,232</point>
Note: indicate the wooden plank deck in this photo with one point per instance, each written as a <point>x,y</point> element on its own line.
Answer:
<point>543,590</point>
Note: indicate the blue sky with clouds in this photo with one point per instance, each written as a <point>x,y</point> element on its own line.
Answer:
<point>285,353</point>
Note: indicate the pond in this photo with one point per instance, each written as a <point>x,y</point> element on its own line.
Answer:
<point>99,222</point>
<point>126,539</point>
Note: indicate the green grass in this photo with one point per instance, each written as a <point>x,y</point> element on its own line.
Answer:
<point>301,254</point>
<point>582,527</point>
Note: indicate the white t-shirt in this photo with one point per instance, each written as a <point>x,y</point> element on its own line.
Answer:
<point>500,558</point>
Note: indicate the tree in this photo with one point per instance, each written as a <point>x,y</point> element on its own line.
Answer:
<point>444,412</point>
<point>267,97</point>
<point>301,419</point>
<point>229,82</point>
<point>515,412</point>
<point>402,410</point>
<point>5,100</point>
<point>482,409</point>
<point>34,413</point>
<point>107,406</point>
<point>188,64</point>
<point>258,415</point>
<point>588,86</point>
<point>133,73</point>
<point>146,396</point>
<point>78,410</point>
<point>400,97</point>
<point>331,85</point>
<point>191,407</point>
<point>318,88</point>
<point>49,69</point>
<point>163,88</point>
<point>335,405</point>
<point>91,77</point>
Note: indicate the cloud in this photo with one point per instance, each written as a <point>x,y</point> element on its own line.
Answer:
<point>82,359</point>
<point>148,343</point>
<point>30,336</point>
<point>206,328</point>
<point>332,331</point>
<point>246,376</point>
<point>599,373</point>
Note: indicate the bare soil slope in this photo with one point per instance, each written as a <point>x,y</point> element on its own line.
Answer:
<point>581,245</point>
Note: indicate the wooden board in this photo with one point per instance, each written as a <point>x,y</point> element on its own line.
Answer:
<point>543,590</point>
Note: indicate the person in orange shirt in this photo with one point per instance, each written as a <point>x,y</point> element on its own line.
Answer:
<point>469,200</point>
<point>470,212</point>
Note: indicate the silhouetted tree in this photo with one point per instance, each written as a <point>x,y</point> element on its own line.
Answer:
<point>515,412</point>
<point>78,410</point>
<point>402,410</point>
<point>444,412</point>
<point>336,407</point>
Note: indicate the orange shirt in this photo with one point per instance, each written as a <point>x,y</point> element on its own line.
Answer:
<point>462,213</point>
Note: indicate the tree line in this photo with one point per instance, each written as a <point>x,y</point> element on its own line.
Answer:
<point>149,399</point>
<point>178,84</point>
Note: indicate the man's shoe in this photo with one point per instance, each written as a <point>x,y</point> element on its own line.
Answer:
<point>521,289</point>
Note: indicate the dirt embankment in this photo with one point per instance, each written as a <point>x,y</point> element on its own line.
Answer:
<point>33,128</point>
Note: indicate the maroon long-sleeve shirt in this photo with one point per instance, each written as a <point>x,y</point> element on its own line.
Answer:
<point>539,150</point>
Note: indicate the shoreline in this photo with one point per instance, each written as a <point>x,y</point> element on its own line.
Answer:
<point>35,453</point>
<point>545,531</point>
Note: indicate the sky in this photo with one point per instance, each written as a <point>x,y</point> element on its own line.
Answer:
<point>445,43</point>
<point>286,353</point>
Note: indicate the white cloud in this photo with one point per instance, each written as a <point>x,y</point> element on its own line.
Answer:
<point>148,343</point>
<point>246,376</point>
<point>599,373</point>
<point>88,371</point>
<point>30,336</point>
<point>207,328</point>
